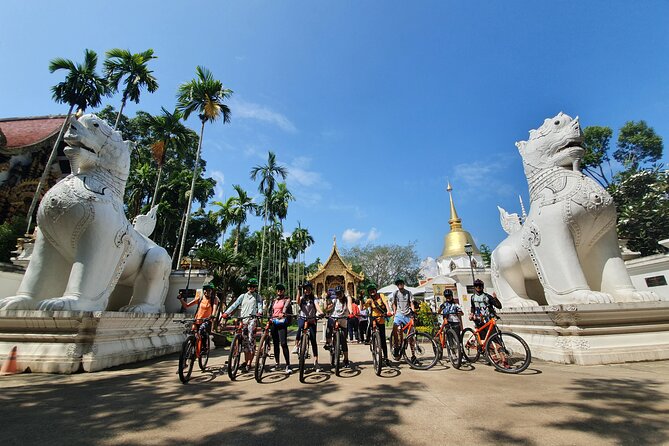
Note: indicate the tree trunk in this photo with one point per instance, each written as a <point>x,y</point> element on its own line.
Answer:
<point>262,243</point>
<point>239,228</point>
<point>155,190</point>
<point>176,245</point>
<point>120,112</point>
<point>192,190</point>
<point>47,168</point>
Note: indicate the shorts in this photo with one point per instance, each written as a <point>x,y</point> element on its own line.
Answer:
<point>401,319</point>
<point>249,336</point>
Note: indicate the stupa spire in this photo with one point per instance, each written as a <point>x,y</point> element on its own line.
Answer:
<point>455,220</point>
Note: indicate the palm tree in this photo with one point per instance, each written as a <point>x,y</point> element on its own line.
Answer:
<point>223,215</point>
<point>122,64</point>
<point>166,130</point>
<point>242,205</point>
<point>204,95</point>
<point>82,88</point>
<point>268,175</point>
<point>302,240</point>
<point>139,185</point>
<point>279,204</point>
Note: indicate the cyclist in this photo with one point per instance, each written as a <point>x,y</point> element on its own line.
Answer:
<point>251,304</point>
<point>340,309</point>
<point>451,311</point>
<point>402,302</point>
<point>279,328</point>
<point>207,304</point>
<point>309,308</point>
<point>483,306</point>
<point>377,305</point>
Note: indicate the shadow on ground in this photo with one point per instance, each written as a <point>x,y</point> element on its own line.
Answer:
<point>624,412</point>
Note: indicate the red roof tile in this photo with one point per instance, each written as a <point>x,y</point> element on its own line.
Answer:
<point>21,132</point>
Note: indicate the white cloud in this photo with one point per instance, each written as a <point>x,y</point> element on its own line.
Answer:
<point>373,234</point>
<point>220,181</point>
<point>300,174</point>
<point>248,110</point>
<point>352,236</point>
<point>485,172</point>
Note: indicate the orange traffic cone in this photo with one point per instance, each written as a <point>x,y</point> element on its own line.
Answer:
<point>9,366</point>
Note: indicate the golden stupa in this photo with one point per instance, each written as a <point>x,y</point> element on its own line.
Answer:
<point>457,238</point>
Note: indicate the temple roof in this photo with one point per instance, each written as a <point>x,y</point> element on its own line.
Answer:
<point>21,133</point>
<point>334,259</point>
<point>457,238</point>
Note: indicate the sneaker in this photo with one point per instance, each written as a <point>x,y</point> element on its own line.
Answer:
<point>317,368</point>
<point>348,365</point>
<point>386,362</point>
<point>414,360</point>
<point>396,352</point>
<point>326,346</point>
<point>243,368</point>
<point>288,370</point>
<point>295,350</point>
<point>276,368</point>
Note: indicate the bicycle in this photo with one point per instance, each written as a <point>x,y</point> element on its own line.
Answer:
<point>507,352</point>
<point>336,347</point>
<point>237,346</point>
<point>447,338</point>
<point>305,340</point>
<point>196,345</point>
<point>263,351</point>
<point>423,348</point>
<point>376,347</point>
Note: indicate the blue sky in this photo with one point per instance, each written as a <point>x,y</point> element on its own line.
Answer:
<point>371,105</point>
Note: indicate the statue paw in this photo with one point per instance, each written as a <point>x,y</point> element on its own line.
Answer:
<point>18,303</point>
<point>59,304</point>
<point>639,296</point>
<point>590,297</point>
<point>516,302</point>
<point>141,308</point>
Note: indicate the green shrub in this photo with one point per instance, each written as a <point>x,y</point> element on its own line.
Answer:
<point>9,232</point>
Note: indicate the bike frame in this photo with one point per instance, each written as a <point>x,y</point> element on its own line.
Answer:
<point>491,325</point>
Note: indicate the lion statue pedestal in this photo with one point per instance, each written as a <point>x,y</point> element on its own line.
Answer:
<point>86,247</point>
<point>565,256</point>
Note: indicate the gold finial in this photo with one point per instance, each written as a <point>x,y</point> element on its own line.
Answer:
<point>455,220</point>
<point>448,186</point>
<point>334,240</point>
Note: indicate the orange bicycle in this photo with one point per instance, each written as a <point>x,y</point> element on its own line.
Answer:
<point>424,351</point>
<point>239,343</point>
<point>196,345</point>
<point>507,352</point>
<point>447,338</point>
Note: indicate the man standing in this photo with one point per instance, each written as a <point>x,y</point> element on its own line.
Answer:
<point>401,300</point>
<point>251,305</point>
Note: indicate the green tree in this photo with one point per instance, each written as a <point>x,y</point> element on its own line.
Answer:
<point>204,95</point>
<point>642,201</point>
<point>268,175</point>
<point>596,145</point>
<point>638,143</point>
<point>383,263</point>
<point>486,252</point>
<point>82,88</point>
<point>132,69</point>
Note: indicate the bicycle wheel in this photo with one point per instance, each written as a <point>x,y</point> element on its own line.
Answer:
<point>261,357</point>
<point>203,359</point>
<point>377,353</point>
<point>453,348</point>
<point>337,351</point>
<point>304,345</point>
<point>440,350</point>
<point>424,349</point>
<point>187,359</point>
<point>508,352</point>
<point>470,345</point>
<point>234,356</point>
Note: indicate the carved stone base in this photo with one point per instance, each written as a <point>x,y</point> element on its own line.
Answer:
<point>75,341</point>
<point>593,334</point>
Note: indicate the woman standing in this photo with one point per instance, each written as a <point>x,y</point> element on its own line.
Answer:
<point>279,327</point>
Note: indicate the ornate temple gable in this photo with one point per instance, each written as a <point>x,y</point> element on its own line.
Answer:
<point>25,133</point>
<point>335,272</point>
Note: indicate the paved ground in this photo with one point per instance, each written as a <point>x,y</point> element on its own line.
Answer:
<point>146,404</point>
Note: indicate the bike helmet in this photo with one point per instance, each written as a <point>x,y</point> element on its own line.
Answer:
<point>252,282</point>
<point>307,284</point>
<point>371,286</point>
<point>339,289</point>
<point>478,282</point>
<point>280,286</point>
<point>399,280</point>
<point>448,293</point>
<point>208,286</point>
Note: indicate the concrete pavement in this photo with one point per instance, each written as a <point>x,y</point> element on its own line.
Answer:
<point>549,404</point>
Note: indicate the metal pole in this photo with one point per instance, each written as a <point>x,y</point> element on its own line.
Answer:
<point>471,268</point>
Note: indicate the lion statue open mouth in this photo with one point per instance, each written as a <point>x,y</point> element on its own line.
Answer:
<point>85,245</point>
<point>566,251</point>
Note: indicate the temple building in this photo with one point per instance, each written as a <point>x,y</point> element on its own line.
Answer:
<point>335,272</point>
<point>25,146</point>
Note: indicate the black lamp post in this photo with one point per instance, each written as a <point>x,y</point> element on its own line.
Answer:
<point>469,250</point>
<point>191,254</point>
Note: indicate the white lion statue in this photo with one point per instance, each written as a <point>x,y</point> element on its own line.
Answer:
<point>567,246</point>
<point>85,245</point>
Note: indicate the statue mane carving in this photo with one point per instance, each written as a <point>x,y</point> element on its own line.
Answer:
<point>85,245</point>
<point>567,247</point>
